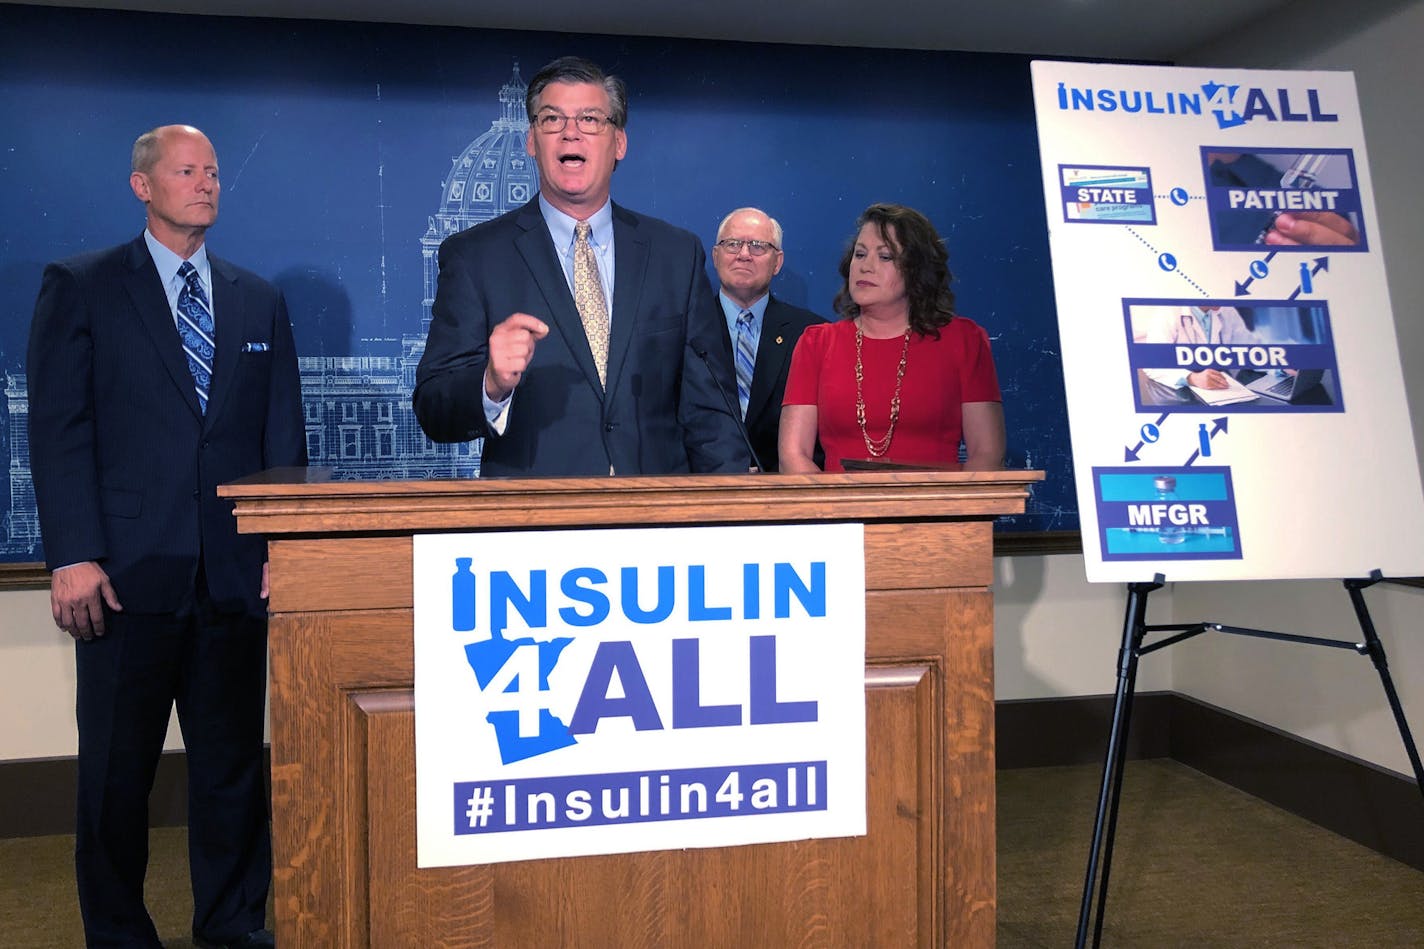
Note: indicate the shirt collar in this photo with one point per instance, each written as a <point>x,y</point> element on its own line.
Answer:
<point>731,310</point>
<point>734,309</point>
<point>561,226</point>
<point>168,262</point>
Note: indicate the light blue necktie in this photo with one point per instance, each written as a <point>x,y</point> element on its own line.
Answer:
<point>195,328</point>
<point>746,359</point>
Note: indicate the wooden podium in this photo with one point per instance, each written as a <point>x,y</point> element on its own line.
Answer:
<point>343,732</point>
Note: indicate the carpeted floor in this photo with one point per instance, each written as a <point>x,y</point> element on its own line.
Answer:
<point>1198,864</point>
<point>39,908</point>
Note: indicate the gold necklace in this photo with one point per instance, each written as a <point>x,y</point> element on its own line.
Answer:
<point>879,446</point>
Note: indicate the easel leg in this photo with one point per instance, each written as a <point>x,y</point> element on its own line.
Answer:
<point>1375,649</point>
<point>1110,793</point>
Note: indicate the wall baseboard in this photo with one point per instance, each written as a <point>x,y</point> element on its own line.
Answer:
<point>1045,733</point>
<point>1358,800</point>
<point>37,797</point>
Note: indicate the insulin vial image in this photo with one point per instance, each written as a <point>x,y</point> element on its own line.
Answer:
<point>1168,533</point>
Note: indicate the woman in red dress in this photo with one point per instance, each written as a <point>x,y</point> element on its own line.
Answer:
<point>901,377</point>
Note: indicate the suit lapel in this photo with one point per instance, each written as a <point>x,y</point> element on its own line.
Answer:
<point>145,290</point>
<point>540,256</point>
<point>228,322</point>
<point>772,353</point>
<point>630,266</point>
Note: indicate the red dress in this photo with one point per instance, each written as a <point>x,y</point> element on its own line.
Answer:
<point>940,376</point>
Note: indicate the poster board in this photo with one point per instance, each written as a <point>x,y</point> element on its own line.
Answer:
<point>1235,395</point>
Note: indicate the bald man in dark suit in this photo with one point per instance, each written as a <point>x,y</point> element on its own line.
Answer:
<point>156,372</point>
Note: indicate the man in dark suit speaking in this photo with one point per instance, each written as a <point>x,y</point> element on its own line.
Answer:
<point>763,330</point>
<point>574,336</point>
<point>157,372</point>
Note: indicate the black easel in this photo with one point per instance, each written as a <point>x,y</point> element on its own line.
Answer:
<point>1135,629</point>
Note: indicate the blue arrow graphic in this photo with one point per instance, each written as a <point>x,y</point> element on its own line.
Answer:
<point>1130,454</point>
<point>1219,425</point>
<point>1307,285</point>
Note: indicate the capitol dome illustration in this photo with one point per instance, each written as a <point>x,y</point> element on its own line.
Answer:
<point>492,175</point>
<point>359,418</point>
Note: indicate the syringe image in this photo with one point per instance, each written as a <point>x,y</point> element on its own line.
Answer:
<point>1190,531</point>
<point>1302,175</point>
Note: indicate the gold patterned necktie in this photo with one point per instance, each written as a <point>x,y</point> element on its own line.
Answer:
<point>588,297</point>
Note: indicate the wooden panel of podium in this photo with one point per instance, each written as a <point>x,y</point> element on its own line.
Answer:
<point>343,733</point>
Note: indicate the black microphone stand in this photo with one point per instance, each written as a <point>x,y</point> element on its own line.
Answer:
<point>733,410</point>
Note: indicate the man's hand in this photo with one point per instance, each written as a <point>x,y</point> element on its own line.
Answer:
<point>1208,379</point>
<point>511,348</point>
<point>74,599</point>
<point>1312,227</point>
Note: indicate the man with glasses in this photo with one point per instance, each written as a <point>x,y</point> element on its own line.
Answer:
<point>574,336</point>
<point>762,329</point>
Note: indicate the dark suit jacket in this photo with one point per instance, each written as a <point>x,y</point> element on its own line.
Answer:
<point>780,329</point>
<point>125,464</point>
<point>662,412</point>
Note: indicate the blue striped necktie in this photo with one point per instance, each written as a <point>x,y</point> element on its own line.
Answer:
<point>746,359</point>
<point>195,328</point>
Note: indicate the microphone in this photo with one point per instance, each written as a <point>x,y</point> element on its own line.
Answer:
<point>731,408</point>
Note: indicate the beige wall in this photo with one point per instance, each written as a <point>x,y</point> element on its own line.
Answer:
<point>1329,696</point>
<point>37,681</point>
<point>1055,634</point>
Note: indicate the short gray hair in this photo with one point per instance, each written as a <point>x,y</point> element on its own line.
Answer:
<point>146,149</point>
<point>775,224</point>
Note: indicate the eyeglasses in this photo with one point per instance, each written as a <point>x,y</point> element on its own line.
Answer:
<point>589,123</point>
<point>733,246</point>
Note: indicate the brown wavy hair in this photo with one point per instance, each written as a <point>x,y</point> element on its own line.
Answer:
<point>921,258</point>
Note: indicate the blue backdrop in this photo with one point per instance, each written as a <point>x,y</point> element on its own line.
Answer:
<point>337,141</point>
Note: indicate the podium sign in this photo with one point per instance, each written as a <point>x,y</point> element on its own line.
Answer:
<point>616,691</point>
